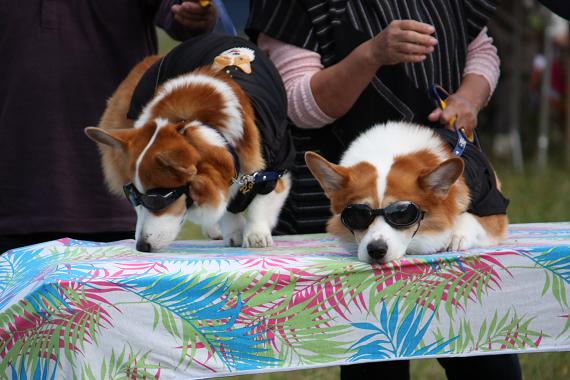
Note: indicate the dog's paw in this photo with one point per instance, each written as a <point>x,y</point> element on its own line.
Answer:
<point>460,242</point>
<point>234,239</point>
<point>212,231</point>
<point>257,236</point>
<point>232,226</point>
<point>467,233</point>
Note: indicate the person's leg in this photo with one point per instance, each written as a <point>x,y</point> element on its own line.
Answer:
<point>393,370</point>
<point>8,242</point>
<point>490,367</point>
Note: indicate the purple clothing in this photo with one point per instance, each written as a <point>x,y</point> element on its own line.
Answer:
<point>61,61</point>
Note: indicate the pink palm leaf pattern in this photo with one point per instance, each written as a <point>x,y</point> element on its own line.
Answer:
<point>71,310</point>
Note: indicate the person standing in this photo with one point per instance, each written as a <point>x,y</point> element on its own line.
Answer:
<point>61,60</point>
<point>348,65</point>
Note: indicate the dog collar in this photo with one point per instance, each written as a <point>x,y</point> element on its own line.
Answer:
<point>234,154</point>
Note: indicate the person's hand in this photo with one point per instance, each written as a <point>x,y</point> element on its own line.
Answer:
<point>460,107</point>
<point>194,16</point>
<point>402,41</point>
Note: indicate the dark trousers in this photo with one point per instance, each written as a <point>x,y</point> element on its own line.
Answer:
<point>8,242</point>
<point>491,367</point>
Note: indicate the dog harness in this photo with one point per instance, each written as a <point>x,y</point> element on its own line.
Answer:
<point>261,82</point>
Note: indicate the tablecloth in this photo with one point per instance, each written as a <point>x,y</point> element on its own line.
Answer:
<point>81,310</point>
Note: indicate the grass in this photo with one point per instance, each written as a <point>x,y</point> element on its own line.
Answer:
<point>537,196</point>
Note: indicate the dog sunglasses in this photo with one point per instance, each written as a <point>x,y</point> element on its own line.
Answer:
<point>398,215</point>
<point>156,199</point>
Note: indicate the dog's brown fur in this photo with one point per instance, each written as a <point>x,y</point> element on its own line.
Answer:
<point>114,161</point>
<point>195,102</point>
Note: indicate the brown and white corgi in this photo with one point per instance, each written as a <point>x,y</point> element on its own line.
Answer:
<point>194,148</point>
<point>399,190</point>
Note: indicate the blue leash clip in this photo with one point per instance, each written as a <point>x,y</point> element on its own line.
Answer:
<point>461,142</point>
<point>438,94</point>
<point>225,18</point>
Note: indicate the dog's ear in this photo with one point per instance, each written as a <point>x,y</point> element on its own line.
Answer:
<point>440,179</point>
<point>176,166</point>
<point>331,177</point>
<point>115,138</point>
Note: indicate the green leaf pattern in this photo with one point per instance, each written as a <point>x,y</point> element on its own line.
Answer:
<point>81,310</point>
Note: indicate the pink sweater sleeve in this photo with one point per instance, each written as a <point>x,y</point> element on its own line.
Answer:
<point>482,59</point>
<point>297,66</point>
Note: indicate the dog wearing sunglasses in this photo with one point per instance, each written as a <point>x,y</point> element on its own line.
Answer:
<point>399,189</point>
<point>186,138</point>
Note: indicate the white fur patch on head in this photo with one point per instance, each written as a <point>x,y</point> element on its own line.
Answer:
<point>160,123</point>
<point>382,143</point>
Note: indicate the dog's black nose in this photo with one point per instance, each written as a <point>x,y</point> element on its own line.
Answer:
<point>143,246</point>
<point>377,249</point>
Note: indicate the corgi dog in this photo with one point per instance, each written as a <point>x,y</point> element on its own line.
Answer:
<point>196,150</point>
<point>399,190</point>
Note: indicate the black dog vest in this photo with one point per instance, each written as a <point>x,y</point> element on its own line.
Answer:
<point>262,85</point>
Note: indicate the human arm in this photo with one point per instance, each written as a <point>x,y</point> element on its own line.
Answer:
<point>480,77</point>
<point>313,101</point>
<point>185,19</point>
<point>401,42</point>
<point>296,67</point>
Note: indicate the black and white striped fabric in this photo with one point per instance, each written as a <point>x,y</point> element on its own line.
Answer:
<point>309,24</point>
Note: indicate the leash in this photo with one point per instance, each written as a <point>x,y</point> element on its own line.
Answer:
<point>439,95</point>
<point>225,18</point>
<point>223,15</point>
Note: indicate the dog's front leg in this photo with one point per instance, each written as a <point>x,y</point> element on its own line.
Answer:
<point>212,231</point>
<point>262,215</point>
<point>232,226</point>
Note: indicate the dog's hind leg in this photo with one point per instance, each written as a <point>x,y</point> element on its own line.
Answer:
<point>496,227</point>
<point>262,215</point>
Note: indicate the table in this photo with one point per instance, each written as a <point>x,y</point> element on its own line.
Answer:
<point>76,309</point>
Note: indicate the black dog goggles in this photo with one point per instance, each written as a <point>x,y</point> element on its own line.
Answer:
<point>156,199</point>
<point>398,215</point>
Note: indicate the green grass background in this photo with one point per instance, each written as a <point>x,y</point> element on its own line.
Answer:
<point>536,196</point>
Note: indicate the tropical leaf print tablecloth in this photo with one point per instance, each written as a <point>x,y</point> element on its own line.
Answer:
<point>80,310</point>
